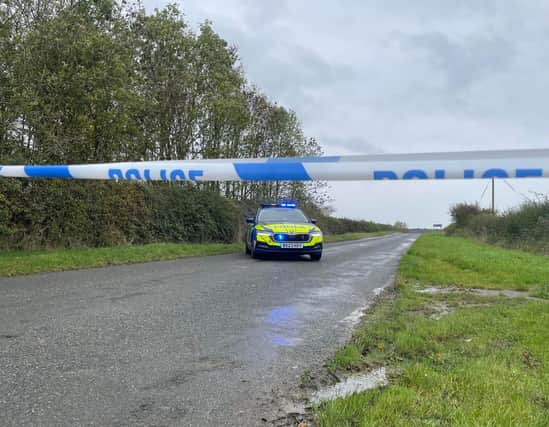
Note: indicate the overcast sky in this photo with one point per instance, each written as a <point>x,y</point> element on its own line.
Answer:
<point>398,76</point>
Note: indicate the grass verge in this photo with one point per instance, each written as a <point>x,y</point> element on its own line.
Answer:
<point>455,358</point>
<point>20,263</point>
<point>443,261</point>
<point>16,263</point>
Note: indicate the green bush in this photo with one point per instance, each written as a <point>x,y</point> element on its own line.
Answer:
<point>526,227</point>
<point>189,214</point>
<point>463,213</point>
<point>56,213</point>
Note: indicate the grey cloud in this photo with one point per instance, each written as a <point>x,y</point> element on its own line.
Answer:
<point>287,69</point>
<point>466,61</point>
<point>353,144</point>
<point>292,67</point>
<point>264,12</point>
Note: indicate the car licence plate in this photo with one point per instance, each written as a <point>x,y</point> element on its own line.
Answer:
<point>292,245</point>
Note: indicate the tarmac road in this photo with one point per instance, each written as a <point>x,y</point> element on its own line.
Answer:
<point>195,342</point>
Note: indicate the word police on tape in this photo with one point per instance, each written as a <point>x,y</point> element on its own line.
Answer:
<point>453,165</point>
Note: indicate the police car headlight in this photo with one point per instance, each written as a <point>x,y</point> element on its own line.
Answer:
<point>315,233</point>
<point>263,233</point>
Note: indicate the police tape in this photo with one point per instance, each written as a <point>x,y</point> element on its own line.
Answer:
<point>452,165</point>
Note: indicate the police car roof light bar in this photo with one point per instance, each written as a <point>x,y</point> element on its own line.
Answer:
<point>288,204</point>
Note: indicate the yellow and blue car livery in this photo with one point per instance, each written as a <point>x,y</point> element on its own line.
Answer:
<point>283,229</point>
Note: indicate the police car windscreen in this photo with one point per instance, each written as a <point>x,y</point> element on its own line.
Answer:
<point>278,215</point>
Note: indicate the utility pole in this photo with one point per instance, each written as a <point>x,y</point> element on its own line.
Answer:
<point>493,196</point>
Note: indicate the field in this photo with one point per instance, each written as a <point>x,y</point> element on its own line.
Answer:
<point>454,356</point>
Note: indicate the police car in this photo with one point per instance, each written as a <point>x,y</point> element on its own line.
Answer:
<point>282,228</point>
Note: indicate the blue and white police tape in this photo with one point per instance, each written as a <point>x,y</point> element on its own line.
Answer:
<point>453,165</point>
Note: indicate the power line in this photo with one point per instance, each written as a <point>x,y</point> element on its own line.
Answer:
<point>518,192</point>
<point>539,196</point>
<point>483,193</point>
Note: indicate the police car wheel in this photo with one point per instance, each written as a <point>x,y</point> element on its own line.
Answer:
<point>253,252</point>
<point>246,249</point>
<point>316,257</point>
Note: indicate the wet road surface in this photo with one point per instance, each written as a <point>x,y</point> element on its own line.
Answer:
<point>203,341</point>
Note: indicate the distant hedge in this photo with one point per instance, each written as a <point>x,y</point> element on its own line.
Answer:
<point>333,225</point>
<point>526,227</point>
<point>43,214</point>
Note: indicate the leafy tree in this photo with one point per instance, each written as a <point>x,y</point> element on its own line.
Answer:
<point>6,80</point>
<point>163,48</point>
<point>76,95</point>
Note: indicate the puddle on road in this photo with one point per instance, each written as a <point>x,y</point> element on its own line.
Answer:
<point>283,323</point>
<point>354,384</point>
<point>282,326</point>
